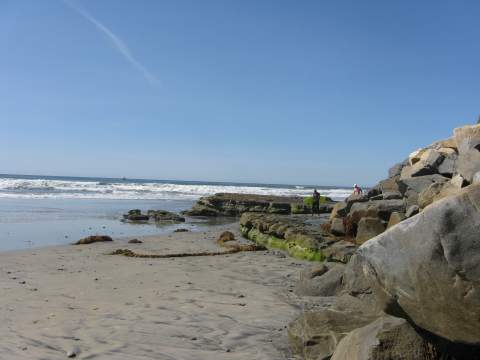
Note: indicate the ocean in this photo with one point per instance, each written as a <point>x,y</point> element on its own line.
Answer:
<point>51,210</point>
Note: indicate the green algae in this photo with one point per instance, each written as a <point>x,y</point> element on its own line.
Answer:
<point>293,248</point>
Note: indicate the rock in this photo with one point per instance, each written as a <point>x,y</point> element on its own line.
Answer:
<point>426,165</point>
<point>428,195</point>
<point>476,178</point>
<point>386,338</point>
<point>395,218</point>
<point>428,268</point>
<point>340,209</point>
<point>458,182</point>
<point>396,169</point>
<point>467,138</point>
<point>229,204</point>
<point>340,251</point>
<point>415,156</point>
<point>468,164</point>
<point>377,208</point>
<point>135,241</point>
<point>337,227</point>
<point>420,183</point>
<point>391,185</point>
<point>134,216</point>
<point>320,280</point>
<point>299,235</point>
<point>315,334</point>
<point>369,228</point>
<point>225,237</point>
<point>71,354</point>
<point>412,211</point>
<point>181,230</point>
<point>163,215</point>
<point>392,195</point>
<point>93,239</point>
<point>448,165</point>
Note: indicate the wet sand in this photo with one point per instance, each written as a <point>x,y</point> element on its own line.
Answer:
<point>78,300</point>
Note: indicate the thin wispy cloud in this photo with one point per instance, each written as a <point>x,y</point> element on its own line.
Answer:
<point>117,43</point>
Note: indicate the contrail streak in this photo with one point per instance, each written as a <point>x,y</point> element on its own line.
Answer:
<point>116,42</point>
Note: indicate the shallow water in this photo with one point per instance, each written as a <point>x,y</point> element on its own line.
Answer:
<point>26,223</point>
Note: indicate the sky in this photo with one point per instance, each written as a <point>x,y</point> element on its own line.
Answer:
<point>272,91</point>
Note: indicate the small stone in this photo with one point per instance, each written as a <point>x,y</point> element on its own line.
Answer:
<point>71,354</point>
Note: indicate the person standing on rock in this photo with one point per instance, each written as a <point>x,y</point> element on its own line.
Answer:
<point>316,202</point>
<point>357,190</point>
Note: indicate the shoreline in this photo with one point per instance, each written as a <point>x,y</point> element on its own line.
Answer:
<point>61,299</point>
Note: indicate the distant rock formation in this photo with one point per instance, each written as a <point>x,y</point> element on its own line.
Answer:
<point>230,204</point>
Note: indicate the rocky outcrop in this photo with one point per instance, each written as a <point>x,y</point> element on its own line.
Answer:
<point>426,176</point>
<point>154,215</point>
<point>418,281</point>
<point>298,235</point>
<point>428,267</point>
<point>230,204</point>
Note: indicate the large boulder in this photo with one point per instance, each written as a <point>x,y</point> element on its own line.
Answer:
<point>337,227</point>
<point>368,228</point>
<point>427,268</point>
<point>320,280</point>
<point>389,338</point>
<point>427,164</point>
<point>316,334</point>
<point>420,183</point>
<point>467,138</point>
<point>468,164</point>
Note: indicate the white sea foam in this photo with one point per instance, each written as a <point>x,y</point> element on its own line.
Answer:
<point>69,189</point>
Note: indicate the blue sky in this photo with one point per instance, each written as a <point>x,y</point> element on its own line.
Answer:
<point>277,91</point>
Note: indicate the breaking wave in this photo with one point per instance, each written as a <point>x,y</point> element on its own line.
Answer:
<point>65,188</point>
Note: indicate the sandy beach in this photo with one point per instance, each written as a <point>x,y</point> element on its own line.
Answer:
<point>77,300</point>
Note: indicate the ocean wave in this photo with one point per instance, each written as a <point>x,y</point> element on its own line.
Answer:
<point>68,189</point>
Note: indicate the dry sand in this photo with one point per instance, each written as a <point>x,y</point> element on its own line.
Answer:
<point>77,299</point>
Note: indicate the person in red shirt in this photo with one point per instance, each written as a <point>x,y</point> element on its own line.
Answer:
<point>357,190</point>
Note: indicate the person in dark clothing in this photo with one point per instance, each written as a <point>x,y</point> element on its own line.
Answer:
<point>316,202</point>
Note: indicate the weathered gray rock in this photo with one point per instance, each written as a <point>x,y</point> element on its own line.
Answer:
<point>387,338</point>
<point>467,138</point>
<point>448,165</point>
<point>391,185</point>
<point>320,280</point>
<point>316,334</point>
<point>369,228</point>
<point>427,165</point>
<point>412,211</point>
<point>396,169</point>
<point>428,268</point>
<point>340,209</point>
<point>420,183</point>
<point>377,208</point>
<point>395,218</point>
<point>337,227</point>
<point>468,164</point>
<point>230,204</point>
